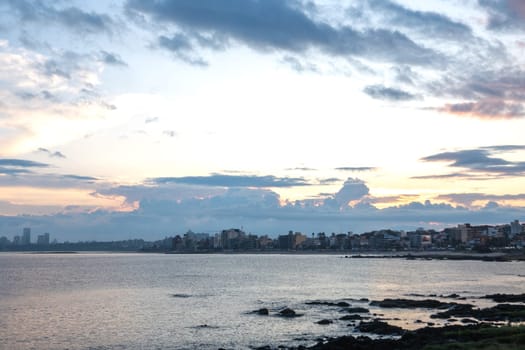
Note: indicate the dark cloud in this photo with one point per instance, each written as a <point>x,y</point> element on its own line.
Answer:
<point>278,25</point>
<point>387,93</point>
<point>479,163</point>
<point>80,177</point>
<point>182,47</point>
<point>329,181</point>
<point>353,189</point>
<point>430,24</point>
<point>487,109</point>
<point>468,199</point>
<point>504,14</point>
<point>222,180</point>
<point>70,17</point>
<point>22,163</point>
<point>488,94</point>
<point>302,169</point>
<point>299,65</point>
<point>51,154</point>
<point>112,59</point>
<point>356,168</point>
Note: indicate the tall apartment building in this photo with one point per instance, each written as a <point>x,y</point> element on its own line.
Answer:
<point>26,236</point>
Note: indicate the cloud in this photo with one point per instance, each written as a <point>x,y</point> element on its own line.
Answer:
<point>51,154</point>
<point>468,199</point>
<point>504,14</point>
<point>430,24</point>
<point>22,163</point>
<point>299,65</point>
<point>356,169</point>
<point>275,25</point>
<point>112,59</point>
<point>73,18</point>
<point>169,133</point>
<point>169,208</point>
<point>353,189</point>
<point>488,109</point>
<point>479,163</point>
<point>387,93</point>
<point>487,94</point>
<point>19,166</point>
<point>223,180</point>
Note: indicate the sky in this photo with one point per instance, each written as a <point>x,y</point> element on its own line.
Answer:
<point>145,119</point>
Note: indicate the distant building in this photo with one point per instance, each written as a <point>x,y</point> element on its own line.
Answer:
<point>26,236</point>
<point>515,228</point>
<point>43,239</point>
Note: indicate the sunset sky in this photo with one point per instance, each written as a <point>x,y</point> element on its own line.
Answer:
<point>128,119</point>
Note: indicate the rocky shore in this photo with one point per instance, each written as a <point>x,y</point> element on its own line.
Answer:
<point>462,325</point>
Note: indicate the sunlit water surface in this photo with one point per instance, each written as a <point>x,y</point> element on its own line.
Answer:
<point>157,301</point>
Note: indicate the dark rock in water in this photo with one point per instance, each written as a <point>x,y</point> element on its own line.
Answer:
<point>449,337</point>
<point>287,312</point>
<point>357,310</point>
<point>500,312</point>
<point>431,324</point>
<point>365,300</point>
<point>506,298</point>
<point>379,327</point>
<point>328,303</point>
<point>418,321</point>
<point>411,304</point>
<point>325,321</point>
<point>263,311</point>
<point>468,320</point>
<point>451,296</point>
<point>180,295</point>
<point>351,317</point>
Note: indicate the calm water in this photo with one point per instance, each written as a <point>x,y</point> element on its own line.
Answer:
<point>149,301</point>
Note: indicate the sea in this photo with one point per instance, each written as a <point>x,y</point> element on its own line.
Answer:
<point>198,301</point>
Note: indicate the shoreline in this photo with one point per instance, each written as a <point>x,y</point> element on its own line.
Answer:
<point>518,255</point>
<point>455,325</point>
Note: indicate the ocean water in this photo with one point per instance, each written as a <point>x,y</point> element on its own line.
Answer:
<point>159,301</point>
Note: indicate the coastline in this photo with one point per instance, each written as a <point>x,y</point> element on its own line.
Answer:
<point>465,326</point>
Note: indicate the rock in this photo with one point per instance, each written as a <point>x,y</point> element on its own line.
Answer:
<point>468,320</point>
<point>351,317</point>
<point>328,303</point>
<point>379,327</point>
<point>263,311</point>
<point>357,310</point>
<point>325,321</point>
<point>506,298</point>
<point>287,312</point>
<point>411,304</point>
<point>500,312</point>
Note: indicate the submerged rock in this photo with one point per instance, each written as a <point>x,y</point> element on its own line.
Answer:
<point>500,312</point>
<point>262,311</point>
<point>506,298</point>
<point>379,327</point>
<point>328,303</point>
<point>357,310</point>
<point>287,312</point>
<point>351,317</point>
<point>325,321</point>
<point>411,304</point>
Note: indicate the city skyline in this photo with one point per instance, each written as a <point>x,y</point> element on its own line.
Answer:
<point>135,119</point>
